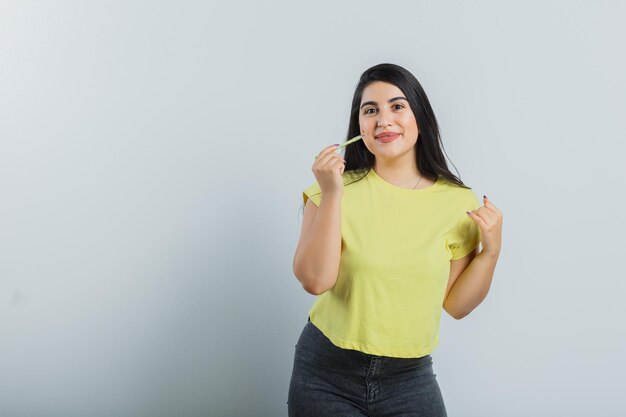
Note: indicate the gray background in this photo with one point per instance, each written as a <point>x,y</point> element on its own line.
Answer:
<point>152,160</point>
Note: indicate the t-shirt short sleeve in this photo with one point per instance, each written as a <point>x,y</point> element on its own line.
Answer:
<point>313,192</point>
<point>465,236</point>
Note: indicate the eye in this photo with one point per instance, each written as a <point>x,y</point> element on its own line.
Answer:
<point>395,105</point>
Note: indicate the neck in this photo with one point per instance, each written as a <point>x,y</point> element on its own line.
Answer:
<point>402,173</point>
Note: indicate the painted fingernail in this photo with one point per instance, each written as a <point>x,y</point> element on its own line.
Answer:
<point>336,144</point>
<point>484,196</point>
<point>468,213</point>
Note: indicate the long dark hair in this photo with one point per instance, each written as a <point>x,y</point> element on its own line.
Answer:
<point>428,148</point>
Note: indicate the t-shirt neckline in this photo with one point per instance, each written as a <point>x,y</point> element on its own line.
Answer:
<point>405,190</point>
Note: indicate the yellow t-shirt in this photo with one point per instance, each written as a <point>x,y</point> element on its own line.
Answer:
<point>397,244</point>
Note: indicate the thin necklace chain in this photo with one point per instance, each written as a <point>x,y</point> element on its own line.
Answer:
<point>417,183</point>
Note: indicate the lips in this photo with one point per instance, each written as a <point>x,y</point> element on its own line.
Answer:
<point>387,137</point>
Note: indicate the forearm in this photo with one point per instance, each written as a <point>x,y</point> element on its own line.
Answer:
<point>472,286</point>
<point>317,260</point>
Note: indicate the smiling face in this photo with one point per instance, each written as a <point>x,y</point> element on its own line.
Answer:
<point>384,108</point>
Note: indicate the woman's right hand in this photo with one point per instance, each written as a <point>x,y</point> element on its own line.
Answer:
<point>328,170</point>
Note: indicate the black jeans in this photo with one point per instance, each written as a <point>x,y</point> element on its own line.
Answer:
<point>327,380</point>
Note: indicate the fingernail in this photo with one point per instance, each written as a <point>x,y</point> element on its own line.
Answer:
<point>336,144</point>
<point>484,196</point>
<point>468,213</point>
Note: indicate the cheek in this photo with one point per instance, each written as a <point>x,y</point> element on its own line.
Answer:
<point>365,125</point>
<point>408,120</point>
<point>410,123</point>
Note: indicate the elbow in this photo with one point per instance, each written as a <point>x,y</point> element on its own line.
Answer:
<point>459,317</point>
<point>454,314</point>
<point>312,290</point>
<point>310,286</point>
<point>321,287</point>
<point>315,288</point>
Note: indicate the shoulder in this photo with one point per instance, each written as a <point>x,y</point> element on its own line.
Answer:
<point>465,197</point>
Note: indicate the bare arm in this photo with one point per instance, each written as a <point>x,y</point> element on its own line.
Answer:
<point>316,261</point>
<point>456,269</point>
<point>471,286</point>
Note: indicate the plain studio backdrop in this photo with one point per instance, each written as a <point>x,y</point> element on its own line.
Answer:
<point>152,160</point>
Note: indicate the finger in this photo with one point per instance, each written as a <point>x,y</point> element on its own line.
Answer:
<point>486,215</point>
<point>322,160</point>
<point>476,218</point>
<point>327,150</point>
<point>490,205</point>
<point>331,160</point>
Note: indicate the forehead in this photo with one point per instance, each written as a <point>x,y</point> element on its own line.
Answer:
<point>380,91</point>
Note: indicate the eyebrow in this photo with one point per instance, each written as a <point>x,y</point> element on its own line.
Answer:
<point>389,101</point>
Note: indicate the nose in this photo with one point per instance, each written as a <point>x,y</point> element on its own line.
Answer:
<point>383,123</point>
<point>382,119</point>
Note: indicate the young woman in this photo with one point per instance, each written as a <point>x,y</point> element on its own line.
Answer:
<point>389,237</point>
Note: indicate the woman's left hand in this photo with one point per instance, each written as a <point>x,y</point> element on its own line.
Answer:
<point>489,218</point>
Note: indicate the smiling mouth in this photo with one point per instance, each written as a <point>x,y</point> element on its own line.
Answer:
<point>388,138</point>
